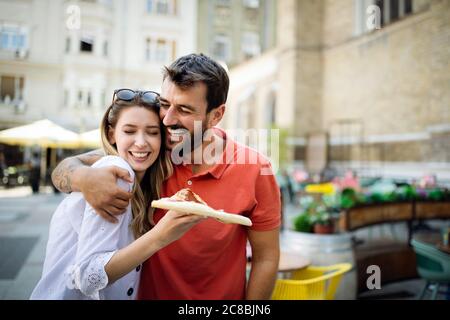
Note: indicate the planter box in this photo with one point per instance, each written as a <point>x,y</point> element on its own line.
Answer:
<point>432,210</point>
<point>362,216</point>
<point>367,215</point>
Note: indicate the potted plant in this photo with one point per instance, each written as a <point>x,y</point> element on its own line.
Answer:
<point>322,222</point>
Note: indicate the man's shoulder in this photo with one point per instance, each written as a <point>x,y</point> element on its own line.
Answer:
<point>251,155</point>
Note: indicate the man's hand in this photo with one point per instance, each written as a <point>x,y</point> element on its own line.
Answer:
<point>100,189</point>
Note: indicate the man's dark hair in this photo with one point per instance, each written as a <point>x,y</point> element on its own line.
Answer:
<point>192,68</point>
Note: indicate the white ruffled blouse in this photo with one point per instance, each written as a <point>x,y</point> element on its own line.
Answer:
<point>81,243</point>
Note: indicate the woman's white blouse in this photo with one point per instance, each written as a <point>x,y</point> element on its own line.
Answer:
<point>81,243</point>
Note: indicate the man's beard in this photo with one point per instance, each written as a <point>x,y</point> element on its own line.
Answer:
<point>190,141</point>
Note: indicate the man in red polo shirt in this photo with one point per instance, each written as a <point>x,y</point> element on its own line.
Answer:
<point>209,261</point>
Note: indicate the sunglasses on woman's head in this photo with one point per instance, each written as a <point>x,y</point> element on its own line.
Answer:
<point>148,97</point>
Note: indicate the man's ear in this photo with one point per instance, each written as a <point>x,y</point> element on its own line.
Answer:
<point>111,138</point>
<point>216,115</point>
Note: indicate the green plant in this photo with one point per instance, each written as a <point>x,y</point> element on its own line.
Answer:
<point>436,194</point>
<point>302,223</point>
<point>321,216</point>
<point>348,198</point>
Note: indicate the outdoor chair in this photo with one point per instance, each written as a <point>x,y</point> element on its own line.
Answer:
<point>433,265</point>
<point>311,283</point>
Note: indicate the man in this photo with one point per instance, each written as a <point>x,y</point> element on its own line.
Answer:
<point>209,262</point>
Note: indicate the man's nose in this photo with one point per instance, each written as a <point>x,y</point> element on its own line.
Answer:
<point>169,117</point>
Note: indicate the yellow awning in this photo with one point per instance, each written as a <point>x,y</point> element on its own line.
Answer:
<point>44,133</point>
<point>90,139</point>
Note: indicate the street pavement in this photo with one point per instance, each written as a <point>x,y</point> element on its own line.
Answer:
<point>24,223</point>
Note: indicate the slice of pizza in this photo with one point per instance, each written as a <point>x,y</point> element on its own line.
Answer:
<point>188,201</point>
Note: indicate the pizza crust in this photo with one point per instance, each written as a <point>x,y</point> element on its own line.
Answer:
<point>195,205</point>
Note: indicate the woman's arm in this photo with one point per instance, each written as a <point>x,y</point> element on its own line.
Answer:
<point>170,228</point>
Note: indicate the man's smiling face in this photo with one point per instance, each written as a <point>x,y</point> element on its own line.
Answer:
<point>180,108</point>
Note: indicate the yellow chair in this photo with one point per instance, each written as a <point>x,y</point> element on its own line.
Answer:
<point>311,283</point>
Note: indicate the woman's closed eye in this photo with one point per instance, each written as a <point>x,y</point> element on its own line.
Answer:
<point>153,132</point>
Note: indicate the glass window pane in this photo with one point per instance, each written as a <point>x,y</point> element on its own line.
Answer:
<point>408,6</point>
<point>394,10</point>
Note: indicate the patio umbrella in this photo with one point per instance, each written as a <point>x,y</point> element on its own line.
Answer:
<point>90,139</point>
<point>43,133</point>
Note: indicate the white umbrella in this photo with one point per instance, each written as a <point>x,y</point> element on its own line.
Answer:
<point>44,133</point>
<point>90,139</point>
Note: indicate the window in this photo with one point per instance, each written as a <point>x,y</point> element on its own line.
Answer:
<point>13,38</point>
<point>221,48</point>
<point>162,53</point>
<point>393,10</point>
<point>105,48</point>
<point>159,50</point>
<point>66,98</point>
<point>223,3</point>
<point>89,99</point>
<point>80,98</point>
<point>254,4</point>
<point>408,6</point>
<point>250,44</point>
<point>87,44</point>
<point>67,49</point>
<point>107,3</point>
<point>11,89</point>
<point>162,7</point>
<point>148,49</point>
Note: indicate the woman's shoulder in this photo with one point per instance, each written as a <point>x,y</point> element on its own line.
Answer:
<point>113,161</point>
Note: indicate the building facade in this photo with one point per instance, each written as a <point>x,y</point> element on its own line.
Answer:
<point>373,75</point>
<point>62,60</point>
<point>233,31</point>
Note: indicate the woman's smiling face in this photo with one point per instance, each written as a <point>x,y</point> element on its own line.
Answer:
<point>137,137</point>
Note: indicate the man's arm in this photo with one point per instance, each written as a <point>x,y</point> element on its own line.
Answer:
<point>98,185</point>
<point>64,176</point>
<point>265,258</point>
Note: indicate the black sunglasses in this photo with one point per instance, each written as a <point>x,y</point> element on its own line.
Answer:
<point>148,97</point>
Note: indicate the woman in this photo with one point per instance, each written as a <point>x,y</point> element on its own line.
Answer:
<point>90,258</point>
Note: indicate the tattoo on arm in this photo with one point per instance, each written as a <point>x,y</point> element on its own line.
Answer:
<point>62,175</point>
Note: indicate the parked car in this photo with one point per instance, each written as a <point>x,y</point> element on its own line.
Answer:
<point>15,176</point>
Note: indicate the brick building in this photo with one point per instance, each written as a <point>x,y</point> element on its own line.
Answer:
<point>378,85</point>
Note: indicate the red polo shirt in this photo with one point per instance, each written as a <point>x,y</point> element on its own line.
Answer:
<point>209,261</point>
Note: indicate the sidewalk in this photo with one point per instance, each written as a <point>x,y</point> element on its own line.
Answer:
<point>24,222</point>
